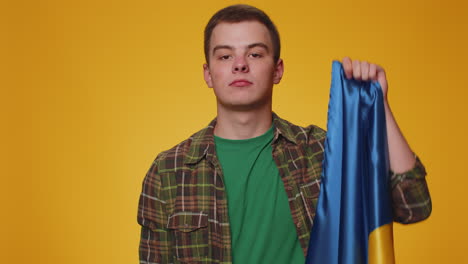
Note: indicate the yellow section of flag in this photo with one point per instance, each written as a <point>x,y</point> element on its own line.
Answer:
<point>381,245</point>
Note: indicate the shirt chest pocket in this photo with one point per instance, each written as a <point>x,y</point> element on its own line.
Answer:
<point>190,234</point>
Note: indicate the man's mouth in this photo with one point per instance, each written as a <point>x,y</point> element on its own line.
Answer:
<point>240,83</point>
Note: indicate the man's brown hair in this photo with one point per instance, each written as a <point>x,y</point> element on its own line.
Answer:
<point>240,13</point>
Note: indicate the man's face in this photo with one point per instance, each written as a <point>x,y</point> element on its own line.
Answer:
<point>241,67</point>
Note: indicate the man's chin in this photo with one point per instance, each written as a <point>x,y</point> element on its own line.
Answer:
<point>243,106</point>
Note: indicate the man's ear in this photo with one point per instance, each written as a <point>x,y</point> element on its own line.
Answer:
<point>278,73</point>
<point>207,75</point>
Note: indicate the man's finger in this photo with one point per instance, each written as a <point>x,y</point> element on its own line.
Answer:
<point>347,67</point>
<point>372,72</point>
<point>382,78</point>
<point>365,70</point>
<point>357,70</point>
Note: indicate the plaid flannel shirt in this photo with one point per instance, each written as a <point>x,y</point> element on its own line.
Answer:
<point>183,205</point>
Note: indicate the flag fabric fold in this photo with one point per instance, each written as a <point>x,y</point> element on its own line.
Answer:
<point>353,224</point>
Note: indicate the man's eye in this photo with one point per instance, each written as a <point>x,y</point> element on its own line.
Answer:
<point>224,57</point>
<point>255,55</point>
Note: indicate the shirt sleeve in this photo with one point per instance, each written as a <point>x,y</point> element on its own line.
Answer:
<point>410,195</point>
<point>155,243</point>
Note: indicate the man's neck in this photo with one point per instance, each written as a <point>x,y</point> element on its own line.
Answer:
<point>243,125</point>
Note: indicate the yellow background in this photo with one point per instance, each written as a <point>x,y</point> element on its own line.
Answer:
<point>92,91</point>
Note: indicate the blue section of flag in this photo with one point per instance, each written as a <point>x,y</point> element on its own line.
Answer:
<point>355,190</point>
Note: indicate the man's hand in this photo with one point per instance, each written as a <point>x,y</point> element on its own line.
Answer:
<point>402,158</point>
<point>365,71</point>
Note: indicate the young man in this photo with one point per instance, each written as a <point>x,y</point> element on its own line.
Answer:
<point>244,189</point>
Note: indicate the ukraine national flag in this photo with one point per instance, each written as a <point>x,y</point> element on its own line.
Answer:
<point>353,223</point>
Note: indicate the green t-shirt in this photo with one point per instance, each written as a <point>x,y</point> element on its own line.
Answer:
<point>262,227</point>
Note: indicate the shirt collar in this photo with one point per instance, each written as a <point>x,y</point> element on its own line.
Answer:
<point>202,143</point>
<point>283,128</point>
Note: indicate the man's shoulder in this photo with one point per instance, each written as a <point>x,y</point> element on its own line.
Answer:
<point>184,151</point>
<point>305,134</point>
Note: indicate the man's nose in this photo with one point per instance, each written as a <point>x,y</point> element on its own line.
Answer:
<point>240,65</point>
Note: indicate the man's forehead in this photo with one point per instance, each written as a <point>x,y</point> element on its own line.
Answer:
<point>242,33</point>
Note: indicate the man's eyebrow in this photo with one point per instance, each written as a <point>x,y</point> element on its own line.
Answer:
<point>253,45</point>
<point>222,47</point>
<point>258,44</point>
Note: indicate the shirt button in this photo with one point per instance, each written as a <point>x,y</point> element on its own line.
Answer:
<point>186,225</point>
<point>289,188</point>
<point>299,224</point>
